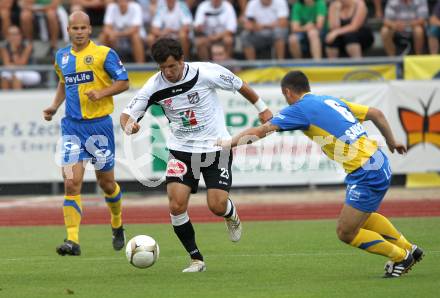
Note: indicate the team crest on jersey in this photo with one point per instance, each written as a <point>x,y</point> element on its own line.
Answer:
<point>88,60</point>
<point>193,98</point>
<point>168,102</point>
<point>188,118</point>
<point>176,168</point>
<point>65,59</point>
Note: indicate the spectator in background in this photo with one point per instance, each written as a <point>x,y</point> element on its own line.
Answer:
<point>149,9</point>
<point>123,29</point>
<point>348,31</point>
<point>215,21</point>
<point>404,21</point>
<point>220,56</point>
<point>434,29</point>
<point>265,26</point>
<point>47,7</point>
<point>17,52</point>
<point>94,8</point>
<point>172,20</point>
<point>307,27</point>
<point>5,16</point>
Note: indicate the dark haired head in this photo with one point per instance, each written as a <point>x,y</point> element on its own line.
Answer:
<point>164,48</point>
<point>296,81</point>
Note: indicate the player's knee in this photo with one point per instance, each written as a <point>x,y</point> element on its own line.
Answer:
<point>345,235</point>
<point>176,207</point>
<point>217,208</point>
<point>107,185</point>
<point>72,186</point>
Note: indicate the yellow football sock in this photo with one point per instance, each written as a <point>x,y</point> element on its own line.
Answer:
<point>380,224</point>
<point>72,216</point>
<point>376,244</point>
<point>114,204</point>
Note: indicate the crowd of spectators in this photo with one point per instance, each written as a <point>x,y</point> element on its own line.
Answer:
<point>230,29</point>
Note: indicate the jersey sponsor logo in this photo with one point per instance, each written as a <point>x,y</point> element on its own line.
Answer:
<point>78,78</point>
<point>226,78</point>
<point>176,168</point>
<point>88,60</point>
<point>71,146</point>
<point>103,153</point>
<point>193,98</point>
<point>355,131</point>
<point>421,128</point>
<point>188,118</point>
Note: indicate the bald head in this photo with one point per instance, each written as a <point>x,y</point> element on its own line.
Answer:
<point>79,17</point>
<point>79,29</point>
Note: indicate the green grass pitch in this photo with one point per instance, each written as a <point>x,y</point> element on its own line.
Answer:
<point>273,259</point>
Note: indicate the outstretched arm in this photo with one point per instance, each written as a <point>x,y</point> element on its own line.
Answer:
<point>249,136</point>
<point>382,124</point>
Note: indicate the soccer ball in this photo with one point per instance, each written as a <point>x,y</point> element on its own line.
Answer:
<point>142,251</point>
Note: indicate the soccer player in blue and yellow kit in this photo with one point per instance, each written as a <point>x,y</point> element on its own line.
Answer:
<point>89,76</point>
<point>335,124</point>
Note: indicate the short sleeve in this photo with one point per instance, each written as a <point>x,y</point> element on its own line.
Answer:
<point>58,72</point>
<point>137,14</point>
<point>186,16</point>
<point>231,25</point>
<point>109,14</point>
<point>358,111</point>
<point>220,77</point>
<point>200,15</point>
<point>158,18</point>
<point>250,10</point>
<point>296,12</point>
<point>390,10</point>
<point>291,118</point>
<point>282,9</point>
<point>114,67</point>
<point>321,8</point>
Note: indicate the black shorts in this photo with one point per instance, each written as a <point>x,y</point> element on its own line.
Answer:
<point>186,167</point>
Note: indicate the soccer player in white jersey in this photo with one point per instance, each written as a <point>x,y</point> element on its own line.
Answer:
<point>187,94</point>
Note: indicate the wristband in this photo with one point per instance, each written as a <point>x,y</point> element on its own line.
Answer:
<point>260,105</point>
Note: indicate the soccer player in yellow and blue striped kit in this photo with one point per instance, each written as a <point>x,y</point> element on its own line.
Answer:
<point>335,124</point>
<point>89,76</point>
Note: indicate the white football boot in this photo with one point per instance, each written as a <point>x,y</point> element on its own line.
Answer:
<point>195,266</point>
<point>234,227</point>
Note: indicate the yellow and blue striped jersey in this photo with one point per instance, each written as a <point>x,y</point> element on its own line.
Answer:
<point>333,123</point>
<point>93,68</point>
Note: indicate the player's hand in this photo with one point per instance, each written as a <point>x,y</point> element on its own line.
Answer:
<point>93,95</point>
<point>48,113</point>
<point>225,144</point>
<point>265,116</point>
<point>396,146</point>
<point>132,128</point>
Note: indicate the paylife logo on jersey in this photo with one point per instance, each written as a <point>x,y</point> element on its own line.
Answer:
<point>188,118</point>
<point>77,78</point>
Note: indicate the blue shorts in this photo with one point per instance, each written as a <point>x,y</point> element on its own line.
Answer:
<point>88,140</point>
<point>367,186</point>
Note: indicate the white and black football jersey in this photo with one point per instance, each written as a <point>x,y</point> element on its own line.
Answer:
<point>191,105</point>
